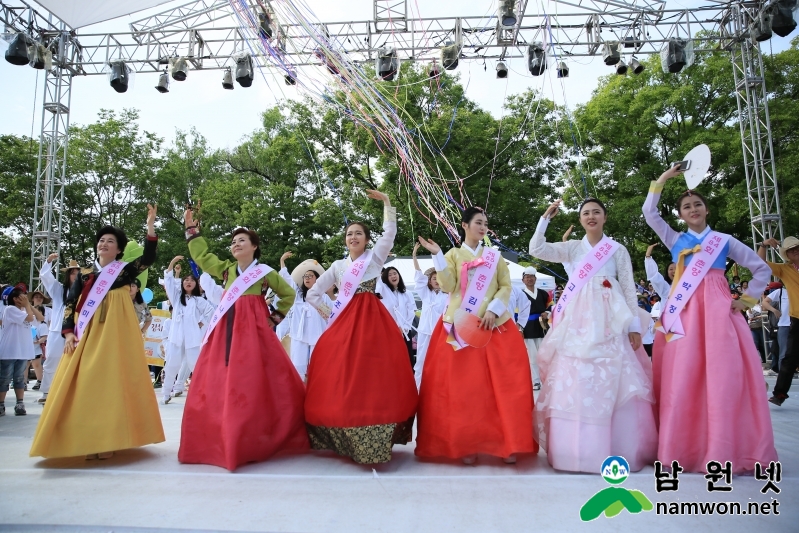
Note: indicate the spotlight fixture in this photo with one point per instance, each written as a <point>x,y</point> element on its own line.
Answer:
<point>636,66</point>
<point>450,55</point>
<point>760,29</point>
<point>290,79</point>
<point>265,23</point>
<point>630,42</point>
<point>227,80</point>
<point>42,57</point>
<point>387,64</point>
<point>20,50</point>
<point>621,68</point>
<point>676,54</point>
<point>610,53</point>
<point>119,75</point>
<point>163,83</point>
<point>782,17</point>
<point>536,59</point>
<point>506,13</point>
<point>179,68</point>
<point>563,70</point>
<point>244,70</point>
<point>434,71</point>
<point>502,70</point>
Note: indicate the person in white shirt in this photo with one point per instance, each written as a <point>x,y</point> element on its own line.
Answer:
<point>55,341</point>
<point>533,331</point>
<point>434,302</point>
<point>190,312</point>
<point>305,323</point>
<point>779,297</point>
<point>16,346</point>
<point>399,302</point>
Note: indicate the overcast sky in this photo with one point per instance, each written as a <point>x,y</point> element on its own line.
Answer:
<point>225,117</point>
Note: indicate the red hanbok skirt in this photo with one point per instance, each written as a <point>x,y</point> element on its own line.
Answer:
<point>361,396</point>
<point>476,400</point>
<point>246,398</point>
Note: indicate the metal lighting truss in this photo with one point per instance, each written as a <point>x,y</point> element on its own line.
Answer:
<point>753,118</point>
<point>208,34</point>
<point>48,211</point>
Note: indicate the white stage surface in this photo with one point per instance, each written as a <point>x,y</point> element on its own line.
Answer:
<point>147,489</point>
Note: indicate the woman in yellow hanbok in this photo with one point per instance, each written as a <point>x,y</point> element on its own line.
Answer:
<point>101,399</point>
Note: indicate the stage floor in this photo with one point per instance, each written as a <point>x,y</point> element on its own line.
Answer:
<point>147,489</point>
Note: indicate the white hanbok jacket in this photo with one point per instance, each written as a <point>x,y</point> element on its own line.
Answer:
<point>185,330</point>
<point>306,324</point>
<point>433,304</point>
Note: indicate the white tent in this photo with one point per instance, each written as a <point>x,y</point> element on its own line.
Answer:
<point>406,270</point>
<point>79,13</point>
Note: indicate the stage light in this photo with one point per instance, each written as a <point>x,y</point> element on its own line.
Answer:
<point>502,70</point>
<point>676,54</point>
<point>42,57</point>
<point>20,50</point>
<point>434,71</point>
<point>636,66</point>
<point>506,13</point>
<point>621,68</point>
<point>179,68</point>
<point>163,83</point>
<point>450,55</point>
<point>265,22</point>
<point>244,70</point>
<point>291,76</point>
<point>630,42</point>
<point>610,53</point>
<point>227,80</point>
<point>536,59</point>
<point>387,64</point>
<point>119,75</point>
<point>563,70</point>
<point>782,17</point>
<point>760,29</point>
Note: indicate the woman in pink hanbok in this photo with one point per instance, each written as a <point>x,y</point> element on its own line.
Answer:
<point>711,398</point>
<point>596,387</point>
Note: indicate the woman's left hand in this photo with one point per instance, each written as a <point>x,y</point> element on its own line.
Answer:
<point>635,340</point>
<point>488,320</point>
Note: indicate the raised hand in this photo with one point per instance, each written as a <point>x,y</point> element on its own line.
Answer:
<point>553,209</point>
<point>415,247</point>
<point>670,173</point>
<point>152,211</point>
<point>429,245</point>
<point>283,259</point>
<point>178,269</point>
<point>52,257</point>
<point>774,243</point>
<point>175,260</point>
<point>377,195</point>
<point>650,248</point>
<point>568,232</point>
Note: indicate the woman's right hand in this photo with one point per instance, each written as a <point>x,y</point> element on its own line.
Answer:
<point>70,342</point>
<point>52,257</point>
<point>553,209</point>
<point>568,232</point>
<point>650,248</point>
<point>283,259</point>
<point>429,245</point>
<point>670,173</point>
<point>188,217</point>
<point>415,247</point>
<point>174,260</point>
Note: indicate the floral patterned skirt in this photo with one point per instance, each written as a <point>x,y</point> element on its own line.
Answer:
<point>364,444</point>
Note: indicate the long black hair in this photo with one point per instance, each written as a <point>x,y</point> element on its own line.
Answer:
<point>466,218</point>
<point>195,292</point>
<point>303,289</point>
<point>66,285</point>
<point>138,298</point>
<point>384,278</point>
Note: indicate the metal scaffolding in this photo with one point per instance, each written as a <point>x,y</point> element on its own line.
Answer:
<point>207,33</point>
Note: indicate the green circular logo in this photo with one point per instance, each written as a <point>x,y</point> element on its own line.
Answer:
<point>615,469</point>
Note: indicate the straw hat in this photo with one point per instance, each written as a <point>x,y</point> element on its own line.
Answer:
<point>430,271</point>
<point>300,270</point>
<point>787,244</point>
<point>45,299</point>
<point>72,264</point>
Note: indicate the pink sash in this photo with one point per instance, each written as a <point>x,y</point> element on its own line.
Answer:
<point>689,281</point>
<point>98,293</point>
<point>584,271</point>
<point>240,285</point>
<point>472,296</point>
<point>349,284</point>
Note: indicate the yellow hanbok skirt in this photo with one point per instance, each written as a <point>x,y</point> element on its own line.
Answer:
<point>101,398</point>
